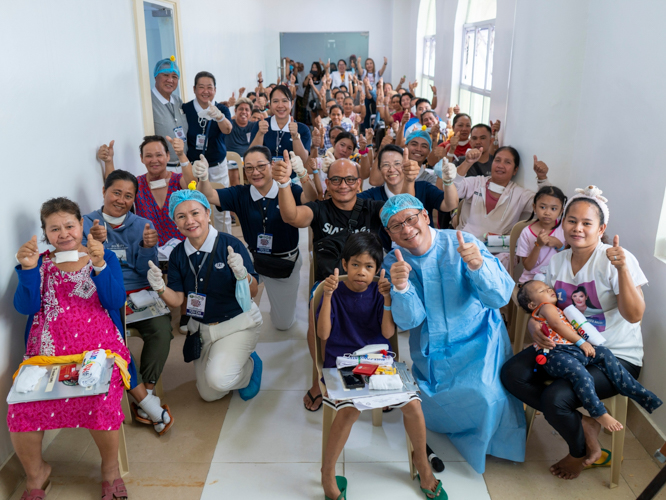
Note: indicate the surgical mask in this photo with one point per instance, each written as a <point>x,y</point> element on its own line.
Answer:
<point>68,256</point>
<point>243,295</point>
<point>496,188</point>
<point>114,221</point>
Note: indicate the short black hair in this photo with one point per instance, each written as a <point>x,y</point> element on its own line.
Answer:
<point>259,149</point>
<point>388,149</point>
<point>345,135</point>
<point>458,117</point>
<point>429,111</point>
<point>513,151</point>
<point>337,106</point>
<point>153,138</point>
<point>121,175</point>
<point>204,74</point>
<point>283,90</point>
<point>407,93</point>
<point>250,94</point>
<point>421,101</point>
<point>523,297</point>
<point>483,125</point>
<point>336,127</point>
<point>364,242</point>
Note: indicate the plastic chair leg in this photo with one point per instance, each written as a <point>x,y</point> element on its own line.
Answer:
<point>123,459</point>
<point>377,417</point>
<point>410,457</point>
<point>521,327</point>
<point>618,409</point>
<point>530,414</point>
<point>126,408</point>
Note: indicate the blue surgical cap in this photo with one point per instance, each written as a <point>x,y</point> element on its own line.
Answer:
<point>167,65</point>
<point>186,195</point>
<point>419,134</point>
<point>396,204</point>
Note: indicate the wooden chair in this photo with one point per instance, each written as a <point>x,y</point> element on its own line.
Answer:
<point>123,458</point>
<point>456,218</point>
<point>215,186</point>
<point>329,413</point>
<point>232,156</point>
<point>519,317</point>
<point>617,408</point>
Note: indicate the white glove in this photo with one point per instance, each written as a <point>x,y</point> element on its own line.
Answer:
<point>215,113</point>
<point>297,164</point>
<point>327,160</point>
<point>155,277</point>
<point>200,168</point>
<point>235,262</point>
<point>449,172</point>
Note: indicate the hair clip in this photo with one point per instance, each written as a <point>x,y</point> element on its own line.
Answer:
<point>192,186</point>
<point>172,58</point>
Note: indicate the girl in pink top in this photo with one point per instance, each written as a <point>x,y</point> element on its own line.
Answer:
<point>542,239</point>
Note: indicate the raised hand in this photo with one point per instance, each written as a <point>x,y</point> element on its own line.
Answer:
<point>150,237</point>
<point>177,144</point>
<point>331,283</point>
<point>362,143</point>
<point>402,80</point>
<point>434,90</point>
<point>470,253</point>
<point>495,126</point>
<point>410,169</point>
<point>96,251</point>
<point>214,112</point>
<point>540,168</point>
<point>263,127</point>
<point>449,172</point>
<point>311,165</point>
<point>449,112</point>
<point>405,118</point>
<point>473,155</point>
<point>455,139</point>
<point>105,153</point>
<point>385,60</point>
<point>386,140</point>
<point>456,109</point>
<point>28,254</point>
<point>235,262</point>
<point>282,169</point>
<point>241,91</point>
<point>440,151</point>
<point>200,168</point>
<point>616,254</point>
<point>384,285</point>
<point>317,139</point>
<point>98,231</point>
<point>155,277</point>
<point>543,239</point>
<point>328,159</point>
<point>297,164</point>
<point>400,272</point>
<point>369,135</point>
<point>293,127</point>
<point>434,133</point>
<point>260,78</point>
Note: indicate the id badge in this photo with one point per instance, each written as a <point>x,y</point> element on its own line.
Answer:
<point>277,158</point>
<point>201,140</point>
<point>264,243</point>
<point>178,132</point>
<point>196,305</point>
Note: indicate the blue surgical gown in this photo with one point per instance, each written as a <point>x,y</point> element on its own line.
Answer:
<point>458,343</point>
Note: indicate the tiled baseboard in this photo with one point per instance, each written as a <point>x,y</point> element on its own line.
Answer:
<point>642,426</point>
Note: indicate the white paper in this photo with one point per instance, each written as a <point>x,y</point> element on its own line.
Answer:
<point>165,250</point>
<point>142,299</point>
<point>372,402</point>
<point>29,378</point>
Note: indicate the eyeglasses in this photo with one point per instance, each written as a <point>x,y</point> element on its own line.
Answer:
<point>388,166</point>
<point>259,168</point>
<point>409,221</point>
<point>336,181</point>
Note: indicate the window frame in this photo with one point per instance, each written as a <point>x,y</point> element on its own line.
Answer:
<point>490,24</point>
<point>426,79</point>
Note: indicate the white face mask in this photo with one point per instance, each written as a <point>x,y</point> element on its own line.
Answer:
<point>496,188</point>
<point>68,256</point>
<point>160,183</point>
<point>114,221</point>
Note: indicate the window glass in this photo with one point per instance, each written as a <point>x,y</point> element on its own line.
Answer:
<point>160,36</point>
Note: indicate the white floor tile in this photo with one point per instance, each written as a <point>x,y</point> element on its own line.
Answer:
<point>287,365</point>
<point>368,443</point>
<point>275,481</point>
<point>443,447</point>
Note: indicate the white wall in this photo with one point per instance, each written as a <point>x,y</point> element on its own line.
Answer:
<point>403,41</point>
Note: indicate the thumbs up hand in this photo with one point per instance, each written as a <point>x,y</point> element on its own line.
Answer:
<point>214,112</point>
<point>331,283</point>
<point>98,231</point>
<point>410,168</point>
<point>540,168</point>
<point>293,128</point>
<point>235,262</point>
<point>200,168</point>
<point>105,153</point>
<point>470,253</point>
<point>616,254</point>
<point>96,251</point>
<point>400,272</point>
<point>296,164</point>
<point>150,237</point>
<point>177,144</point>
<point>263,127</point>
<point>281,169</point>
<point>28,254</point>
<point>155,277</point>
<point>384,285</point>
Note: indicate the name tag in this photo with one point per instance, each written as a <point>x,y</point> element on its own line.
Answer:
<point>178,132</point>
<point>264,243</point>
<point>201,141</point>
<point>196,305</point>
<point>249,134</point>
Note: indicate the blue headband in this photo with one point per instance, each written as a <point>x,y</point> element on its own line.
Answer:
<point>171,68</point>
<point>186,195</point>
<point>396,204</point>
<point>422,134</point>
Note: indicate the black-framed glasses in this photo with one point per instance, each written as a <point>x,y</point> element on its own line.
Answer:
<point>259,168</point>
<point>409,221</point>
<point>336,181</point>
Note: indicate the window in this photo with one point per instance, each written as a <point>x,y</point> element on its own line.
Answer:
<point>425,69</point>
<point>476,76</point>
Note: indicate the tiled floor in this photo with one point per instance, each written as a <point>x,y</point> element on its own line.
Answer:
<point>271,447</point>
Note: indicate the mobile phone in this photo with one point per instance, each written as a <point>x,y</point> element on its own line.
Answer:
<point>351,380</point>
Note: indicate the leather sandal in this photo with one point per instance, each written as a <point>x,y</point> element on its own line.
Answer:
<point>37,494</point>
<point>165,409</point>
<point>116,490</point>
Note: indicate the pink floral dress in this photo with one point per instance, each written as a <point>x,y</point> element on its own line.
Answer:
<point>71,320</point>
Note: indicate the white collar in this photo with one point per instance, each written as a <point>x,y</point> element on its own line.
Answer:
<point>256,195</point>
<point>463,143</point>
<point>206,247</point>
<point>388,192</point>
<point>161,98</point>
<point>197,106</point>
<point>274,125</point>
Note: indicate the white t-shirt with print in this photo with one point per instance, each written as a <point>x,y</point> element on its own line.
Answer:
<point>595,288</point>
<point>524,248</point>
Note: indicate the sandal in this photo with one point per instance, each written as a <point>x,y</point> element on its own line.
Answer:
<point>37,494</point>
<point>135,413</point>
<point>312,400</point>
<point>604,460</point>
<point>165,409</point>
<point>342,483</point>
<point>439,492</point>
<point>116,490</point>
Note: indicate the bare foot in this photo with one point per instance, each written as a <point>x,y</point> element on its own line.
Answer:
<point>609,422</point>
<point>330,485</point>
<point>591,430</point>
<point>39,481</point>
<point>568,468</point>
<point>312,399</point>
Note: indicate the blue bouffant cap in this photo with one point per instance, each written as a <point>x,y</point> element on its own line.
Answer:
<point>167,65</point>
<point>422,134</point>
<point>397,204</point>
<point>185,195</point>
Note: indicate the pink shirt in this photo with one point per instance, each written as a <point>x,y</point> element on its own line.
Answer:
<point>525,245</point>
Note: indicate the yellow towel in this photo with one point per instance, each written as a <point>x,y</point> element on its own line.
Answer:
<point>77,358</point>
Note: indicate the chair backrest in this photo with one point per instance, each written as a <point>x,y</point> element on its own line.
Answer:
<point>455,220</point>
<point>319,346</point>
<point>513,241</point>
<point>215,186</point>
<point>233,156</point>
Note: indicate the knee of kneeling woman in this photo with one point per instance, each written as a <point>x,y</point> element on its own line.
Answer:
<point>222,378</point>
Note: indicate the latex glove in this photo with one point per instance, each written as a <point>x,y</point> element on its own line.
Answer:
<point>200,168</point>
<point>297,164</point>
<point>235,262</point>
<point>215,113</point>
<point>449,172</point>
<point>328,159</point>
<point>155,277</point>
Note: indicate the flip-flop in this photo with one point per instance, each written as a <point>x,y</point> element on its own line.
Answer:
<point>604,460</point>
<point>37,494</point>
<point>165,409</point>
<point>115,490</point>
<point>439,492</point>
<point>388,409</point>
<point>135,413</point>
<point>342,486</point>
<point>312,400</point>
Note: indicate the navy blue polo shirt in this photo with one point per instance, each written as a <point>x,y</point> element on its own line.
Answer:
<point>221,303</point>
<point>271,138</point>
<point>238,199</point>
<point>426,193</point>
<point>215,149</point>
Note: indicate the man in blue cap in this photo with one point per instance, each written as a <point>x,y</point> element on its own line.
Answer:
<point>168,112</point>
<point>457,340</point>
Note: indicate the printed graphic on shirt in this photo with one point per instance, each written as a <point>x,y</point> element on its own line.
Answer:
<point>121,252</point>
<point>586,300</point>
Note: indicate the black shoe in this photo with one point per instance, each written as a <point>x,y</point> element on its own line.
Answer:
<point>183,324</point>
<point>435,461</point>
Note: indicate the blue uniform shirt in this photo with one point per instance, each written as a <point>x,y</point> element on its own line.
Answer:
<point>221,303</point>
<point>249,205</point>
<point>271,137</point>
<point>215,149</point>
<point>429,195</point>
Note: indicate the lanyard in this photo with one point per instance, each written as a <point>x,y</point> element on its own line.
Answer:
<point>196,273</point>
<point>205,128</point>
<point>264,210</point>
<point>278,141</point>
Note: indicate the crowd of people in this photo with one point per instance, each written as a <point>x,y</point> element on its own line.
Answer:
<point>390,189</point>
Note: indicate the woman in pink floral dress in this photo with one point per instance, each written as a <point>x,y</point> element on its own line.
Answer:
<point>73,306</point>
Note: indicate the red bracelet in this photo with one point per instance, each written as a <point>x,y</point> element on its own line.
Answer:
<point>364,152</point>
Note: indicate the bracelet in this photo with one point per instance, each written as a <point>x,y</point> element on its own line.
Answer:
<point>580,342</point>
<point>285,185</point>
<point>251,278</point>
<point>447,184</point>
<point>315,171</point>
<point>303,176</point>
<point>160,292</point>
<point>184,164</point>
<point>364,151</point>
<point>387,308</point>
<point>99,269</point>
<point>536,244</point>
